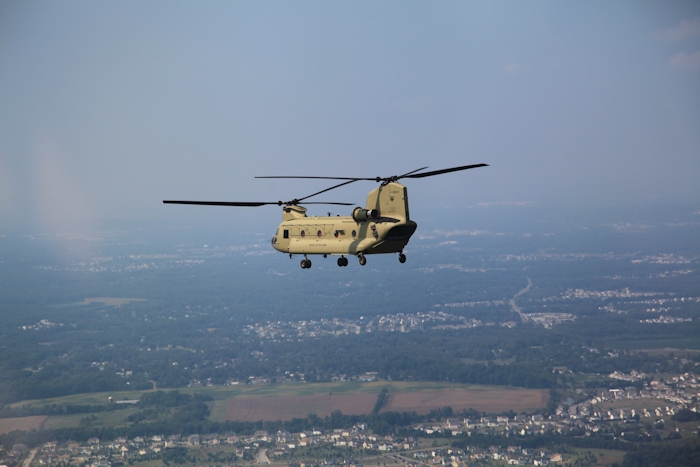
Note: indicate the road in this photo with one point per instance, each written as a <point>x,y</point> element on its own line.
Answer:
<point>515,307</point>
<point>30,457</point>
<point>262,457</point>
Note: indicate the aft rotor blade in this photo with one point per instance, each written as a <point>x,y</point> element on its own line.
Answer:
<point>444,171</point>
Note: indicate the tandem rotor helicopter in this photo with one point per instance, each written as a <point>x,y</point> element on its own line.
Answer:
<point>383,226</point>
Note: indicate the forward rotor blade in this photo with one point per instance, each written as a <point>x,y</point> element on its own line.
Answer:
<point>327,189</point>
<point>409,173</point>
<point>323,202</point>
<point>354,179</point>
<point>220,203</point>
<point>250,204</point>
<point>444,171</point>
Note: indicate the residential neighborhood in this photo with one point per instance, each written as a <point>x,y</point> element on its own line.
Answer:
<point>607,411</point>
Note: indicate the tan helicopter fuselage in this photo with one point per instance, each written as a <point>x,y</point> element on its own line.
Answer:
<point>383,227</point>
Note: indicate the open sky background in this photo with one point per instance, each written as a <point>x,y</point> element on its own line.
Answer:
<point>107,108</point>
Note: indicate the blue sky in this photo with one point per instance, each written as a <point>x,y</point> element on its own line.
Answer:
<point>106,108</point>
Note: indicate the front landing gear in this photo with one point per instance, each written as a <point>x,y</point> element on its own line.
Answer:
<point>402,258</point>
<point>305,263</point>
<point>342,261</point>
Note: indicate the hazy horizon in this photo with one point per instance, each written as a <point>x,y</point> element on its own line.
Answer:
<point>111,107</point>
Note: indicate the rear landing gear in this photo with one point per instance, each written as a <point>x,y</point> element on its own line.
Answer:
<point>402,258</point>
<point>305,263</point>
<point>363,260</point>
<point>342,261</point>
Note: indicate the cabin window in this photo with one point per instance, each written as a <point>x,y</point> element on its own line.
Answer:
<point>303,234</point>
<point>336,234</point>
<point>354,233</point>
<point>319,233</point>
<point>285,233</point>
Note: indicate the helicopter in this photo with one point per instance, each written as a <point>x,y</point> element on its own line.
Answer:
<point>383,226</point>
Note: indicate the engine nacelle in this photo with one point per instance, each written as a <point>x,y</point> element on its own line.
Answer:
<point>361,215</point>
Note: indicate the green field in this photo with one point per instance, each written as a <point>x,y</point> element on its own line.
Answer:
<point>693,344</point>
<point>106,419</point>
<point>604,456</point>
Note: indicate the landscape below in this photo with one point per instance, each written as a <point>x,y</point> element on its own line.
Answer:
<point>566,337</point>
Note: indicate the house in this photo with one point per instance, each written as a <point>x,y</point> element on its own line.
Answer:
<point>369,376</point>
<point>73,446</point>
<point>452,423</point>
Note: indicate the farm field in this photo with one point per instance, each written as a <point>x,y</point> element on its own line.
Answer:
<point>359,398</point>
<point>482,399</point>
<point>105,419</point>
<point>265,390</point>
<point>289,407</point>
<point>287,401</point>
<point>23,423</point>
<point>662,344</point>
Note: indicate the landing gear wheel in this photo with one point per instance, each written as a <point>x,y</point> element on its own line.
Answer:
<point>305,264</point>
<point>402,258</point>
<point>342,261</point>
<point>363,260</point>
<point>345,261</point>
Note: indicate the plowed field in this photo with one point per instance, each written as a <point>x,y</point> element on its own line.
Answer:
<point>23,423</point>
<point>491,400</point>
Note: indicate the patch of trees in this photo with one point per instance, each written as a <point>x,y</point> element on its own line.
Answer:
<point>541,440</point>
<point>685,415</point>
<point>659,455</point>
<point>171,399</point>
<point>178,455</point>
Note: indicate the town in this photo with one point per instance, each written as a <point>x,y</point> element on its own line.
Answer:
<point>616,413</point>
